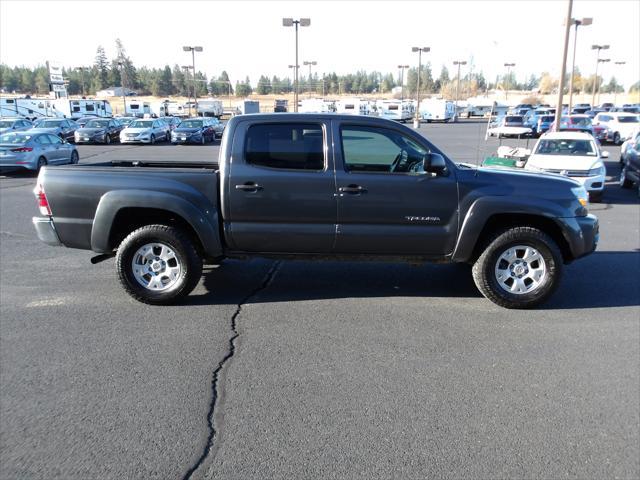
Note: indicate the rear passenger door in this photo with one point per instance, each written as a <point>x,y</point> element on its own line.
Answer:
<point>57,152</point>
<point>280,190</point>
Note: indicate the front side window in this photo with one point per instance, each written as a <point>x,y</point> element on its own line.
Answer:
<point>54,139</point>
<point>286,146</point>
<point>370,149</point>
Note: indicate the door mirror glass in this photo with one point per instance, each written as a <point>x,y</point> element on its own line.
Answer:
<point>435,163</point>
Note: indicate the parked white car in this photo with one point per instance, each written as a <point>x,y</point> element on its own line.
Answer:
<point>628,145</point>
<point>146,131</point>
<point>576,155</point>
<point>619,125</point>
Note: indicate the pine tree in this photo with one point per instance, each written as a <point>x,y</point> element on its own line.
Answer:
<point>101,70</point>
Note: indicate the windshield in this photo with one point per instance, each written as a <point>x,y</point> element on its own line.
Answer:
<point>97,124</point>
<point>566,147</point>
<point>141,124</point>
<point>628,119</point>
<point>49,123</point>
<point>581,121</point>
<point>14,138</point>
<point>191,124</point>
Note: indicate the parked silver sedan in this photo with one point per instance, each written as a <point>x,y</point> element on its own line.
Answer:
<point>145,131</point>
<point>34,150</point>
<point>14,125</point>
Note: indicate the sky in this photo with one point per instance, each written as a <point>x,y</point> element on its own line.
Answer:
<point>246,38</point>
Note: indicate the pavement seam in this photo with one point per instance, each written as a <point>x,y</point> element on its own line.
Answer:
<point>266,281</point>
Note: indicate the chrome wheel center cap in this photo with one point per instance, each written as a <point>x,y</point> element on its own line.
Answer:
<point>519,270</point>
<point>156,266</point>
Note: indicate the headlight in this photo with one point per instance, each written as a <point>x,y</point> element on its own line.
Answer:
<point>597,171</point>
<point>581,194</point>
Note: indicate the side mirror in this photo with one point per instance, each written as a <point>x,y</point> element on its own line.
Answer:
<point>435,163</point>
<point>604,154</point>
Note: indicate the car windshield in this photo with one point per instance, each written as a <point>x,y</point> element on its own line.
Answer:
<point>6,123</point>
<point>191,124</point>
<point>97,124</point>
<point>547,118</point>
<point>565,147</point>
<point>49,123</point>
<point>581,121</point>
<point>628,119</point>
<point>141,124</point>
<point>15,138</point>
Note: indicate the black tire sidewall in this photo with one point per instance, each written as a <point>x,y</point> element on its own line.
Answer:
<point>155,234</point>
<point>553,264</point>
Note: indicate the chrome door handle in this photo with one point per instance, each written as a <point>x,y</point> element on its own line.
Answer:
<point>352,189</point>
<point>249,187</point>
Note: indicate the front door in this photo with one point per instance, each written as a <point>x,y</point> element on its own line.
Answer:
<point>281,189</point>
<point>387,203</point>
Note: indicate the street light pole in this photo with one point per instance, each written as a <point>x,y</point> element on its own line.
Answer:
<point>458,63</point>
<point>508,78</point>
<point>577,22</point>
<point>193,51</point>
<point>595,78</point>
<point>124,102</point>
<point>602,60</point>
<point>310,63</point>
<point>402,69</point>
<point>416,121</point>
<point>186,69</point>
<point>615,92</point>
<point>289,22</point>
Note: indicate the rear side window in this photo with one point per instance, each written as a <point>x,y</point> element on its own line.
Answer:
<point>43,140</point>
<point>287,146</point>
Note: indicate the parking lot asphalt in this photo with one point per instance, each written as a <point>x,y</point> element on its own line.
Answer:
<point>340,370</point>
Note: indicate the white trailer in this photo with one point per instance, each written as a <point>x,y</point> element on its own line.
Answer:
<point>316,105</point>
<point>437,110</point>
<point>33,108</point>
<point>210,108</point>
<point>136,108</point>
<point>168,108</point>
<point>354,106</point>
<point>398,110</point>
<point>248,106</point>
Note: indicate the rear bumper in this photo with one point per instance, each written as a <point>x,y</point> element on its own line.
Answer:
<point>46,231</point>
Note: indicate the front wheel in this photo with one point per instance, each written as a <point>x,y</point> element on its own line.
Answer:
<point>624,180</point>
<point>616,138</point>
<point>107,139</point>
<point>519,268</point>
<point>158,264</point>
<point>74,157</point>
<point>153,139</point>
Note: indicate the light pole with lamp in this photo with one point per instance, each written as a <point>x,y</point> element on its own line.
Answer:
<point>310,63</point>
<point>595,78</point>
<point>615,92</point>
<point>507,78</point>
<point>186,69</point>
<point>290,22</point>
<point>402,69</point>
<point>193,51</point>
<point>458,63</point>
<point>601,60</point>
<point>124,102</point>
<point>416,121</point>
<point>577,22</point>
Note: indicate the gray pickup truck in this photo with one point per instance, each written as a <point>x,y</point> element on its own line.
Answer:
<point>307,186</point>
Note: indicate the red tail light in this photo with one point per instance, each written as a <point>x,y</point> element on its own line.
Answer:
<point>22,149</point>
<point>43,203</point>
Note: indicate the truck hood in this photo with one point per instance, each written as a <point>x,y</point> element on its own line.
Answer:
<point>561,162</point>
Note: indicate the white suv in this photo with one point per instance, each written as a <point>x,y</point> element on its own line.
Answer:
<point>620,125</point>
<point>576,155</point>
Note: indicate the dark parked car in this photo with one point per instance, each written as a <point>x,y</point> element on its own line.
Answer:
<point>32,151</point>
<point>14,124</point>
<point>99,130</point>
<point>63,127</point>
<point>543,124</point>
<point>82,121</point>
<point>630,173</point>
<point>218,126</point>
<point>318,186</point>
<point>580,108</point>
<point>193,130</point>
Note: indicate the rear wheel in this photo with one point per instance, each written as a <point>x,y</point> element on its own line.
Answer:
<point>519,268</point>
<point>203,140</point>
<point>107,139</point>
<point>624,181</point>
<point>158,264</point>
<point>42,162</point>
<point>74,157</point>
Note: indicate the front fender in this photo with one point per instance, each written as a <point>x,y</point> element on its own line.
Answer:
<point>205,224</point>
<point>483,208</point>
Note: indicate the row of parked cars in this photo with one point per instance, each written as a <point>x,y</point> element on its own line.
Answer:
<point>31,145</point>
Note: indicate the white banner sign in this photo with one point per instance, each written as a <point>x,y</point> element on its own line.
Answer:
<point>55,72</point>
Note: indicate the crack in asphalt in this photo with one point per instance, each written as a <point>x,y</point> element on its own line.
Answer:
<point>268,278</point>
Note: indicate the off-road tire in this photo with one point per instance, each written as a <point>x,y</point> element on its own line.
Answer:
<point>182,244</point>
<point>484,268</point>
